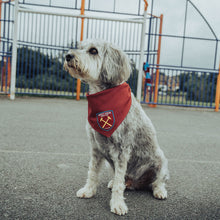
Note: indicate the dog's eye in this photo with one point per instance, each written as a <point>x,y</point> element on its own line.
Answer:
<point>93,51</point>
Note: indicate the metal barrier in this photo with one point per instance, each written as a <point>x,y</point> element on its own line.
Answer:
<point>46,36</point>
<point>41,50</point>
<point>198,85</point>
<point>44,41</point>
<point>181,87</point>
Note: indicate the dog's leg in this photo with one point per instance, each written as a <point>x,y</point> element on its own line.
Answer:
<point>110,169</point>
<point>89,190</point>
<point>158,186</point>
<point>159,190</point>
<point>117,203</point>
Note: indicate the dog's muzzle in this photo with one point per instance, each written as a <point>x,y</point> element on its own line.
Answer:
<point>69,57</point>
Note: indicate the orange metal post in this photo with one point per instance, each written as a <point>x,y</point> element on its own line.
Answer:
<point>158,63</point>
<point>0,17</point>
<point>9,72</point>
<point>78,87</point>
<point>146,5</point>
<point>82,23</point>
<point>3,71</point>
<point>217,95</point>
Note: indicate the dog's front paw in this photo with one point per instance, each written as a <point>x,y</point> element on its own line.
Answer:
<point>160,193</point>
<point>118,207</point>
<point>86,192</point>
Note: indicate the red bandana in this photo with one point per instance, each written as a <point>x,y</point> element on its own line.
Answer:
<point>108,108</point>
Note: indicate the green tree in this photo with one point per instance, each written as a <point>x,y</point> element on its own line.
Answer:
<point>36,69</point>
<point>200,86</point>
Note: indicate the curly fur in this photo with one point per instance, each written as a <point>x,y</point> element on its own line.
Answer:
<point>133,150</point>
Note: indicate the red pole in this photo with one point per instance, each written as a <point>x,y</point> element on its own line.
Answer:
<point>5,63</point>
<point>2,83</point>
<point>78,87</point>
<point>217,95</point>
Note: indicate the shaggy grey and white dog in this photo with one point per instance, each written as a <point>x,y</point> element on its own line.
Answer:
<point>132,150</point>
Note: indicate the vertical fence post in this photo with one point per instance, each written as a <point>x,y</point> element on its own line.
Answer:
<point>1,72</point>
<point>0,18</point>
<point>78,87</point>
<point>14,52</point>
<point>217,95</point>
<point>158,62</point>
<point>143,30</point>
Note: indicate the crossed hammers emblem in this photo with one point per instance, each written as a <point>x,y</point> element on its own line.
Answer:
<point>106,122</point>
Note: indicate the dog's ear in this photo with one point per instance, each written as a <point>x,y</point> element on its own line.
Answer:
<point>115,66</point>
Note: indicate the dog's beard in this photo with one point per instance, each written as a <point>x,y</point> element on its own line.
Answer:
<point>74,69</point>
<point>74,64</point>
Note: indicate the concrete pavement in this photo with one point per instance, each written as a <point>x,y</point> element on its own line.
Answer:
<point>44,157</point>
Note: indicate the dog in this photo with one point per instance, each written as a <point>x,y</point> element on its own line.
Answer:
<point>131,148</point>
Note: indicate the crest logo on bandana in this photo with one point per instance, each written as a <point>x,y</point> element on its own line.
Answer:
<point>106,120</point>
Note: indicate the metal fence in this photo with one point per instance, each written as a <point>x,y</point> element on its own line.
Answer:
<point>41,48</point>
<point>47,30</point>
<point>45,39</point>
<point>181,87</point>
<point>183,80</point>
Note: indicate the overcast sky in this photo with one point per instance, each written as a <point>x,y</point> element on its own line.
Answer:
<point>173,10</point>
<point>197,53</point>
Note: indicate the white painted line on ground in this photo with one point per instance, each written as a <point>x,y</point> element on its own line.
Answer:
<point>87,155</point>
<point>38,152</point>
<point>193,161</point>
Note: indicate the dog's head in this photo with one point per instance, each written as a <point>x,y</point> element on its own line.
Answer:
<point>98,63</point>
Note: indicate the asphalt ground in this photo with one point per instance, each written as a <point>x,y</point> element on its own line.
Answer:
<point>44,155</point>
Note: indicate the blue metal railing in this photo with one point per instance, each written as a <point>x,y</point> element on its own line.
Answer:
<point>45,39</point>
<point>40,73</point>
<point>89,6</point>
<point>41,56</point>
<point>182,87</point>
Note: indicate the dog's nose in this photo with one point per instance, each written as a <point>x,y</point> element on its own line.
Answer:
<point>69,57</point>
